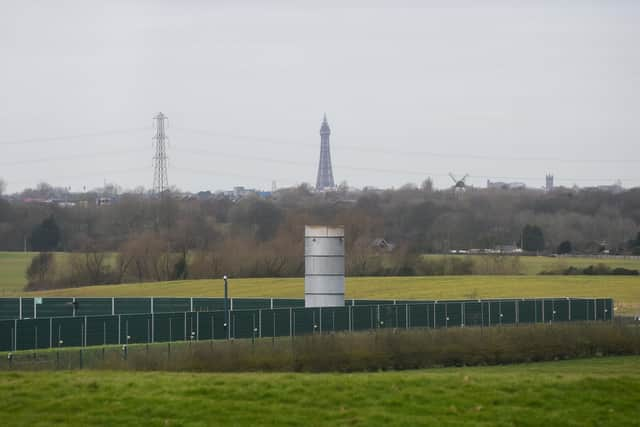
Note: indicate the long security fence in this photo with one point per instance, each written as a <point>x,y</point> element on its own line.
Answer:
<point>75,322</point>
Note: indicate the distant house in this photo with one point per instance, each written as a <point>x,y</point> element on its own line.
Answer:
<point>103,201</point>
<point>383,245</point>
<point>508,249</point>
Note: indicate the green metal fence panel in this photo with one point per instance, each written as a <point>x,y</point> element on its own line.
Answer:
<point>508,311</point>
<point>7,334</point>
<point>93,306</point>
<point>208,304</point>
<point>169,327</point>
<point>547,306</point>
<point>364,317</point>
<point>210,325</point>
<point>440,315</point>
<point>387,316</point>
<point>608,309</point>
<point>305,321</point>
<point>251,303</point>
<point>9,308</point>
<point>138,328</point>
<point>32,334</point>
<point>171,305</point>
<point>101,330</point>
<point>158,327</point>
<point>604,309</point>
<point>579,309</point>
<point>560,310</point>
<point>527,311</point>
<point>454,313</point>
<point>282,303</point>
<point>473,313</point>
<point>132,305</point>
<point>334,319</point>
<point>244,324</point>
<point>421,315</point>
<point>67,331</point>
<point>372,302</point>
<point>283,321</point>
<point>54,307</point>
<point>27,308</point>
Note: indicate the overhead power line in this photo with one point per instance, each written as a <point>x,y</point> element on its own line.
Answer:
<point>72,137</point>
<point>217,154</point>
<point>409,153</point>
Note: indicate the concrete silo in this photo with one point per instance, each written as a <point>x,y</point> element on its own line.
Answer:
<point>323,266</point>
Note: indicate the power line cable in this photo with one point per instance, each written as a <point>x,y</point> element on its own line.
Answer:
<point>72,137</point>
<point>361,149</point>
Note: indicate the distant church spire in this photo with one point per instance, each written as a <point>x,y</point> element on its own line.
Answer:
<point>325,171</point>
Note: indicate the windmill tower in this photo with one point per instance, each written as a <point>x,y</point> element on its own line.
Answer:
<point>325,171</point>
<point>459,185</point>
<point>160,180</point>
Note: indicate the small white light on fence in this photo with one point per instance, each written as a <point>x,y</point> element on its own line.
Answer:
<point>501,315</point>
<point>60,342</point>
<point>255,329</point>
<point>128,337</point>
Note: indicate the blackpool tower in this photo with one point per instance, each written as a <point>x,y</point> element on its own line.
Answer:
<point>325,171</point>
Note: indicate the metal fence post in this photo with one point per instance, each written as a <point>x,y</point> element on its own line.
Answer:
<point>20,307</point>
<point>50,332</point>
<point>15,335</point>
<point>406,312</point>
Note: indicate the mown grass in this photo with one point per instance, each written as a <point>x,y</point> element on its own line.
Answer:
<point>531,265</point>
<point>625,290</point>
<point>14,264</point>
<point>588,392</point>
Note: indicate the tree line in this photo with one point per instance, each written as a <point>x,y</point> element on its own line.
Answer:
<point>139,237</point>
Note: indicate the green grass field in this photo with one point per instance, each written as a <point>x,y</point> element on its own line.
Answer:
<point>588,392</point>
<point>624,289</point>
<point>12,271</point>
<point>14,264</point>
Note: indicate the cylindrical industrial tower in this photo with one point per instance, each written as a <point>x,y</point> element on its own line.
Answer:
<point>323,266</point>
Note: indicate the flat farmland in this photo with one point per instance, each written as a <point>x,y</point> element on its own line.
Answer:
<point>602,391</point>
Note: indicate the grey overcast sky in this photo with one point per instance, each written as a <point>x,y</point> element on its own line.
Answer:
<point>502,90</point>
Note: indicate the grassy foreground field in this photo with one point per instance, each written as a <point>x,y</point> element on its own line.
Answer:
<point>603,391</point>
<point>624,289</point>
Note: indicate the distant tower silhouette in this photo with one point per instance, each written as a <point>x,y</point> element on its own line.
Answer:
<point>325,171</point>
<point>548,183</point>
<point>160,180</point>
